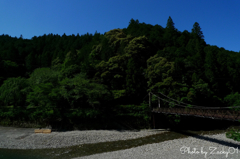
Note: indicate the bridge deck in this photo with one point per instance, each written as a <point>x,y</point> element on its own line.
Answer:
<point>224,114</point>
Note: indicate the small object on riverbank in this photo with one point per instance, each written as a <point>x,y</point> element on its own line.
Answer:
<point>38,130</point>
<point>46,131</point>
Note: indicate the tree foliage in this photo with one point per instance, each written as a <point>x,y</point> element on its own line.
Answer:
<point>90,76</point>
<point>11,92</point>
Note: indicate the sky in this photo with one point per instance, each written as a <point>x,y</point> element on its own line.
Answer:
<point>218,19</point>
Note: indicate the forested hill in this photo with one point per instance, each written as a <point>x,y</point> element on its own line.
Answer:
<point>99,76</point>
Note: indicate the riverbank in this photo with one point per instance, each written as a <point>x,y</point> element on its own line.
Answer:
<point>197,147</point>
<point>157,143</point>
<point>25,138</point>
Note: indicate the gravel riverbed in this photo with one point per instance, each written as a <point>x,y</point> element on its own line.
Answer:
<point>25,138</point>
<point>199,147</point>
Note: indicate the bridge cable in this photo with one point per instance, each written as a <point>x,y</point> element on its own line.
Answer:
<point>195,106</point>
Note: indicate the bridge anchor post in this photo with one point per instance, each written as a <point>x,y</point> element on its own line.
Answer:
<point>153,121</point>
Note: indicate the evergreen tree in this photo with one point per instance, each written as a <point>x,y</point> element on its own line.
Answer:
<point>170,24</point>
<point>170,35</point>
<point>196,31</point>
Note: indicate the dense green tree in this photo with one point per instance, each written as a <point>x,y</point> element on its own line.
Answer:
<point>43,75</point>
<point>183,39</point>
<point>232,100</point>
<point>200,92</point>
<point>82,90</point>
<point>45,103</point>
<point>211,65</point>
<point>135,85</point>
<point>11,92</point>
<point>133,27</point>
<point>159,74</point>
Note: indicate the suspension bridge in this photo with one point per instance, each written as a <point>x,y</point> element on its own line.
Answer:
<point>222,113</point>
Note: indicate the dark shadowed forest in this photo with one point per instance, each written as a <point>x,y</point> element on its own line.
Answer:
<point>102,80</point>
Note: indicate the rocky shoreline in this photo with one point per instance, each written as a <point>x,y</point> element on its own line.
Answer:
<point>200,147</point>
<point>25,138</point>
<point>196,147</point>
